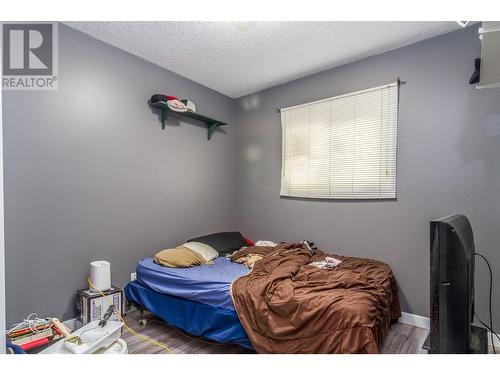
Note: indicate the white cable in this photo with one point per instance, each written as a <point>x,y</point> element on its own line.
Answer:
<point>463,23</point>
<point>32,322</point>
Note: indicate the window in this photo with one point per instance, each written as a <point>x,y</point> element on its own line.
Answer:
<point>342,147</point>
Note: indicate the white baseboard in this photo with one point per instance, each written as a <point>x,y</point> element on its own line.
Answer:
<point>415,320</point>
<point>424,322</point>
<point>496,341</point>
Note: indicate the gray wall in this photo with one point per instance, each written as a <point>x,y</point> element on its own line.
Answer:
<point>89,174</point>
<point>448,162</point>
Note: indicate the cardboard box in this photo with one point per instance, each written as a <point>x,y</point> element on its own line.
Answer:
<point>92,306</point>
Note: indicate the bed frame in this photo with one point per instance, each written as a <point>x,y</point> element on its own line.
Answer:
<point>198,319</point>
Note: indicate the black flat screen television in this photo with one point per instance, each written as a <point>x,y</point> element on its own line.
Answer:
<point>452,285</point>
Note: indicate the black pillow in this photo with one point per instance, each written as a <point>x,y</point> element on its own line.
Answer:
<point>224,242</point>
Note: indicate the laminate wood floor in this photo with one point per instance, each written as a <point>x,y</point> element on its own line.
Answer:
<point>401,338</point>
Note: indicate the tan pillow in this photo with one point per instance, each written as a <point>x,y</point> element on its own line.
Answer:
<point>179,257</point>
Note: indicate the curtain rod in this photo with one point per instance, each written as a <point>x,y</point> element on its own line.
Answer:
<point>398,81</point>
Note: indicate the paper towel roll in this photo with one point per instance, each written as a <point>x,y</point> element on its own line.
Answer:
<point>100,275</point>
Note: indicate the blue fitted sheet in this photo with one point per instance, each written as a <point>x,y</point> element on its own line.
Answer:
<point>216,323</point>
<point>207,284</point>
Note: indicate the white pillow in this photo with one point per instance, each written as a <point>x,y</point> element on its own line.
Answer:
<point>207,252</point>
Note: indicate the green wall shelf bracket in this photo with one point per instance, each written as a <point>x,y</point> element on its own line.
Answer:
<point>209,122</point>
<point>164,116</point>
<point>211,128</point>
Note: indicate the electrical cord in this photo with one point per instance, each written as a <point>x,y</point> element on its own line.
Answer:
<point>487,327</point>
<point>490,327</point>
<point>33,322</point>
<point>131,330</point>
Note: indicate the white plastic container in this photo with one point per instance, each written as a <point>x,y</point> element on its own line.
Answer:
<point>100,275</point>
<point>93,337</point>
<point>118,347</point>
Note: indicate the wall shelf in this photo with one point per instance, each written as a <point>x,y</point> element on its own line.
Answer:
<point>211,123</point>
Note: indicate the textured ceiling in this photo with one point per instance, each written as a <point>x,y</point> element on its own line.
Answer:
<point>241,58</point>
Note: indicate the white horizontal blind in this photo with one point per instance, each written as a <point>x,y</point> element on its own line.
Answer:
<point>342,147</point>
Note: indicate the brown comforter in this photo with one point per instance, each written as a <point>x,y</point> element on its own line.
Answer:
<point>289,306</point>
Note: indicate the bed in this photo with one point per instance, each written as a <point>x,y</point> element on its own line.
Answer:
<point>196,300</point>
<point>284,305</point>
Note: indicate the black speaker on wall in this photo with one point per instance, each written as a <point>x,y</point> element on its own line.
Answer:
<point>475,77</point>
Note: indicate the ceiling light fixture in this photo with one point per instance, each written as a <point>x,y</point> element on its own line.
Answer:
<point>243,26</point>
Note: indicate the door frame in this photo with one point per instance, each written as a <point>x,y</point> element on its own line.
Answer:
<point>2,238</point>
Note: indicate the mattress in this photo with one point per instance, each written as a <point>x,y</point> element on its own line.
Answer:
<point>215,323</point>
<point>207,284</point>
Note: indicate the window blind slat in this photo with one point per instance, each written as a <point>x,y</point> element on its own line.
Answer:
<point>343,147</point>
